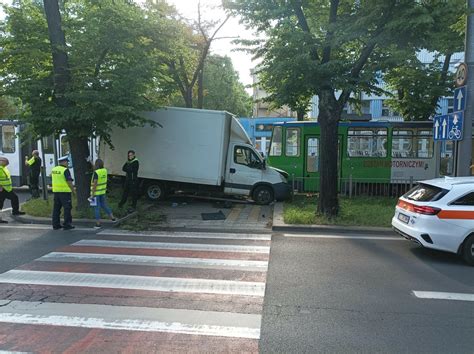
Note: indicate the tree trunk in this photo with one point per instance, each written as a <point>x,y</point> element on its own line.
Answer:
<point>200,83</point>
<point>188,98</point>
<point>82,169</point>
<point>62,80</point>
<point>329,115</point>
<point>300,114</point>
<point>61,74</point>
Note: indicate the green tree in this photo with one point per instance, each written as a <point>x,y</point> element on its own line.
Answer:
<point>7,108</point>
<point>186,64</point>
<point>222,88</point>
<point>333,49</point>
<point>415,86</point>
<point>113,68</point>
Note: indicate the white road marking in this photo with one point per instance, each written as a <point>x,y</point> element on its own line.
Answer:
<point>180,262</point>
<point>175,246</point>
<point>353,237</point>
<point>42,227</point>
<point>210,235</point>
<point>130,318</point>
<point>135,282</point>
<point>443,295</point>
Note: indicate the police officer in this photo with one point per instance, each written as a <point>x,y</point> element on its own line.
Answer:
<point>35,168</point>
<point>6,190</point>
<point>62,190</point>
<point>131,180</point>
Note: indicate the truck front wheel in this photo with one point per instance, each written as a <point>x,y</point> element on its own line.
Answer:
<point>155,191</point>
<point>263,195</point>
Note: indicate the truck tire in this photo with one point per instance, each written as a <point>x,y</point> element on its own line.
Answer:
<point>263,195</point>
<point>155,191</point>
<point>468,250</point>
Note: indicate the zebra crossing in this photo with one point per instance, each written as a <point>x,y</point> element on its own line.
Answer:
<point>125,291</point>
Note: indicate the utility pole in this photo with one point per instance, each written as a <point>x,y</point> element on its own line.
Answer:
<point>464,148</point>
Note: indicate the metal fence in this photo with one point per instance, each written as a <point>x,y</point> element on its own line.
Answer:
<point>355,187</point>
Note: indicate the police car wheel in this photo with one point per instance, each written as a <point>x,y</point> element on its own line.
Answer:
<point>155,191</point>
<point>468,250</point>
<point>263,195</point>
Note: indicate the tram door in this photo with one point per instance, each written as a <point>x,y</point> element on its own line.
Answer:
<point>312,162</point>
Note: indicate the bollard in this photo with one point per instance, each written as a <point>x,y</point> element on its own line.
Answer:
<point>350,186</point>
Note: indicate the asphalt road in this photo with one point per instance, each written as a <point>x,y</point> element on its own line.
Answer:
<point>334,295</point>
<point>21,244</point>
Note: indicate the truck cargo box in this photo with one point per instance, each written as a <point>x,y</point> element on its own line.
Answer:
<point>191,146</point>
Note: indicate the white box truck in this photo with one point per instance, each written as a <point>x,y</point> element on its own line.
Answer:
<point>195,150</point>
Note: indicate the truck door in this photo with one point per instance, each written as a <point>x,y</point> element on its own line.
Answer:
<point>243,171</point>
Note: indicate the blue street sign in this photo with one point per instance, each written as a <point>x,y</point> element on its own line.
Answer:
<point>460,95</point>
<point>448,127</point>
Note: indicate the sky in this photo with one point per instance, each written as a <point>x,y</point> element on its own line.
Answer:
<point>210,10</point>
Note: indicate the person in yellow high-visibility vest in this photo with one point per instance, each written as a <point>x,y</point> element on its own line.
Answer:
<point>34,166</point>
<point>62,190</point>
<point>6,190</point>
<point>98,191</point>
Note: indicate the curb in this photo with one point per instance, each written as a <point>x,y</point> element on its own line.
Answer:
<point>28,219</point>
<point>279,225</point>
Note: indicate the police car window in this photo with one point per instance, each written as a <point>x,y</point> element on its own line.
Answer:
<point>8,138</point>
<point>425,193</point>
<point>468,199</point>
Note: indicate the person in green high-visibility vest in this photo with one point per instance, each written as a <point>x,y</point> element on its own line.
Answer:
<point>98,191</point>
<point>6,190</point>
<point>62,190</point>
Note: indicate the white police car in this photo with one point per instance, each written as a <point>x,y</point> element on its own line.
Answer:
<point>439,214</point>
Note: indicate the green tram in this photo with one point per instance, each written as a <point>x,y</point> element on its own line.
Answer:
<point>381,154</point>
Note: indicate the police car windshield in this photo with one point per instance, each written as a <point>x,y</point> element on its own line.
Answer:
<point>425,193</point>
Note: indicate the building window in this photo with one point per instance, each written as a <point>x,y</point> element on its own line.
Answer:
<point>367,142</point>
<point>388,112</point>
<point>412,143</point>
<point>275,147</point>
<point>450,105</point>
<point>293,142</point>
<point>8,139</point>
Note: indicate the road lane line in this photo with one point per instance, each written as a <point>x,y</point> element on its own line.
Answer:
<point>175,246</point>
<point>353,237</point>
<point>115,281</point>
<point>130,318</point>
<point>203,263</point>
<point>443,295</point>
<point>207,235</point>
<point>43,227</point>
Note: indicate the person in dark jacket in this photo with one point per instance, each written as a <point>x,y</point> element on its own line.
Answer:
<point>131,180</point>
<point>34,164</point>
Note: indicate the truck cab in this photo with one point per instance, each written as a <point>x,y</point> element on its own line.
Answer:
<point>248,174</point>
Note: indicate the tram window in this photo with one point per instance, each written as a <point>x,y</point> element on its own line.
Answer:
<point>8,138</point>
<point>64,146</point>
<point>48,145</point>
<point>293,142</point>
<point>275,147</point>
<point>312,158</point>
<point>412,143</point>
<point>367,142</point>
